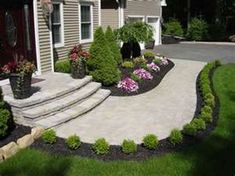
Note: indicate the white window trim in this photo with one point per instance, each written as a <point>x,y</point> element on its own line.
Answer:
<point>80,24</point>
<point>61,44</point>
<point>137,16</point>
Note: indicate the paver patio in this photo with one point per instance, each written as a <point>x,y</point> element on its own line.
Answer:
<point>170,105</point>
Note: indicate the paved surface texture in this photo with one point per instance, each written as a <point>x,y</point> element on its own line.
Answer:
<point>170,105</point>
<point>198,52</point>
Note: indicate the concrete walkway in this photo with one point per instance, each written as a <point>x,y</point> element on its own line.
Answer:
<point>170,105</point>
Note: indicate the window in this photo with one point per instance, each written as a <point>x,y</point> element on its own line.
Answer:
<point>133,19</point>
<point>57,25</point>
<point>86,23</point>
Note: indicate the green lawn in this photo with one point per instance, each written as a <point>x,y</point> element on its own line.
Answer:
<point>215,156</point>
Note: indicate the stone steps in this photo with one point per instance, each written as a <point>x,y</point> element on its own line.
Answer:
<point>63,102</point>
<point>75,111</point>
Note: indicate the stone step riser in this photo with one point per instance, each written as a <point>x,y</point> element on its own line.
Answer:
<point>60,104</point>
<point>82,108</point>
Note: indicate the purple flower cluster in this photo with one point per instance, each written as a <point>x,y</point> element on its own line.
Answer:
<point>128,85</point>
<point>163,59</point>
<point>153,67</point>
<point>143,74</point>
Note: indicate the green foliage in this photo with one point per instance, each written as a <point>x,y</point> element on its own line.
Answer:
<point>198,30</point>
<point>207,117</point>
<point>135,32</point>
<point>190,129</point>
<point>135,77</point>
<point>4,118</point>
<point>73,142</point>
<point>199,124</point>
<point>149,54</point>
<point>129,146</point>
<point>49,136</point>
<point>175,137</point>
<point>206,109</point>
<point>208,96</point>
<point>140,61</point>
<point>113,45</point>
<point>128,64</point>
<point>63,66</point>
<point>1,96</point>
<point>101,146</point>
<point>102,65</point>
<point>150,141</point>
<point>173,27</point>
<point>210,102</point>
<point>157,61</point>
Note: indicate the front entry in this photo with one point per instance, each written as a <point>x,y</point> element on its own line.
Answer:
<point>17,39</point>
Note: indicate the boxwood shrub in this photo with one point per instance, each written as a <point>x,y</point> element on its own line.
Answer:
<point>190,129</point>
<point>49,136</point>
<point>207,117</point>
<point>73,142</point>
<point>128,146</point>
<point>4,119</point>
<point>101,146</point>
<point>150,141</point>
<point>175,137</point>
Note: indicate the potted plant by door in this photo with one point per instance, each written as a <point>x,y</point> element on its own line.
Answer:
<point>20,75</point>
<point>78,58</point>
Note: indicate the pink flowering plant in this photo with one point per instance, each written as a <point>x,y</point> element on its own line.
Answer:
<point>153,66</point>
<point>143,74</point>
<point>77,54</point>
<point>128,85</point>
<point>162,59</point>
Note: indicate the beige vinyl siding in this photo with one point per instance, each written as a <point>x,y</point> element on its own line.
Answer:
<point>109,14</point>
<point>143,8</point>
<point>44,42</point>
<point>71,29</point>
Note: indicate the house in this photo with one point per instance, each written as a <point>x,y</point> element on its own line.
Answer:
<point>27,30</point>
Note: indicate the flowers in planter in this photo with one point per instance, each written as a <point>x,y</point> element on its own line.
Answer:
<point>21,66</point>
<point>77,54</point>
<point>161,60</point>
<point>128,85</point>
<point>143,74</point>
<point>153,66</point>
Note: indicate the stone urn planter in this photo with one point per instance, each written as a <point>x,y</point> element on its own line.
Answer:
<point>20,85</point>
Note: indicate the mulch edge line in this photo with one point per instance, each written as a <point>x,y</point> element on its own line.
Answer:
<point>164,146</point>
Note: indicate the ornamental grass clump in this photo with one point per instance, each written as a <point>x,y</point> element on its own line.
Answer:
<point>206,116</point>
<point>150,141</point>
<point>73,142</point>
<point>149,55</point>
<point>143,74</point>
<point>199,124</point>
<point>128,147</point>
<point>175,137</point>
<point>190,129</point>
<point>128,85</point>
<point>128,64</point>
<point>101,146</point>
<point>49,136</point>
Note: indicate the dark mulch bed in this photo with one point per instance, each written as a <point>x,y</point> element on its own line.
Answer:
<point>16,133</point>
<point>144,85</point>
<point>115,153</point>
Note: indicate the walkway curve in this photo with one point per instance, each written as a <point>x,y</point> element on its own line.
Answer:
<point>170,105</point>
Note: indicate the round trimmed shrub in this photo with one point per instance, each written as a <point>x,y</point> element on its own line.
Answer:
<point>198,30</point>
<point>175,137</point>
<point>210,102</point>
<point>73,142</point>
<point>101,146</point>
<point>173,27</point>
<point>206,109</point>
<point>150,141</point>
<point>4,118</point>
<point>63,66</point>
<point>49,136</point>
<point>128,146</point>
<point>208,96</point>
<point>190,129</point>
<point>207,117</point>
<point>199,124</point>
<point>128,64</point>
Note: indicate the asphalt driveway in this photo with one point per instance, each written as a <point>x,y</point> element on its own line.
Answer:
<point>198,52</point>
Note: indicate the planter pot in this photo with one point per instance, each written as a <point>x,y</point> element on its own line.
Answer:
<point>21,85</point>
<point>78,70</point>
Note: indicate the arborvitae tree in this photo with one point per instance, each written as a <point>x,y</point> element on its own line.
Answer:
<point>102,65</point>
<point>112,42</point>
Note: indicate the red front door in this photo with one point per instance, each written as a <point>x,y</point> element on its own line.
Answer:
<point>16,31</point>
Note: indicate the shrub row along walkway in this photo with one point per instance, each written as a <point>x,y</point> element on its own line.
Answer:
<point>170,105</point>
